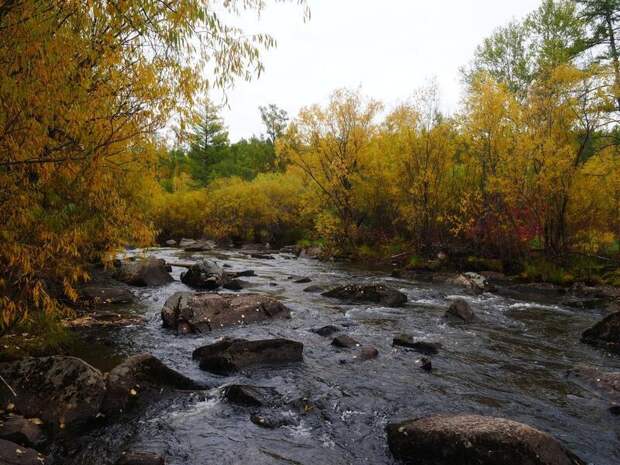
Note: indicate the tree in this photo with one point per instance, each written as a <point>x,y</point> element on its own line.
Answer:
<point>327,145</point>
<point>84,88</point>
<point>208,144</point>
<point>423,142</point>
<point>275,120</point>
<point>603,19</point>
<point>519,52</point>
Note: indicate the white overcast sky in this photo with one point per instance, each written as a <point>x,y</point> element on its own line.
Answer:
<point>388,48</point>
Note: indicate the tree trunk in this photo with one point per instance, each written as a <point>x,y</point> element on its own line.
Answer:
<point>614,57</point>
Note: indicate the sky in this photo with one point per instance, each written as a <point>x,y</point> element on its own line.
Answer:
<point>387,48</point>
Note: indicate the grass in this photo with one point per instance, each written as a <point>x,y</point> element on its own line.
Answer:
<point>42,335</point>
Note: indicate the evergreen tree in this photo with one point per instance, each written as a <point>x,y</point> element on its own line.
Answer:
<point>209,144</point>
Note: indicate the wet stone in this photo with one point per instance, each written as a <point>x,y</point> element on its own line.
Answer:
<point>423,347</point>
<point>326,331</point>
<point>253,396</point>
<point>344,341</point>
<point>231,355</point>
<point>462,310</point>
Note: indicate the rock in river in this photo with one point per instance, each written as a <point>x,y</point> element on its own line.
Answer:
<point>211,311</point>
<point>251,396</point>
<point>140,458</point>
<point>605,333</point>
<point>23,431</point>
<point>373,293</point>
<point>58,390</point>
<point>142,272</point>
<point>474,440</point>
<point>100,295</point>
<point>423,347</point>
<point>608,383</point>
<point>14,454</point>
<point>461,309</point>
<point>474,282</point>
<point>142,377</point>
<point>325,331</point>
<point>231,355</point>
<point>344,341</point>
<point>206,275</point>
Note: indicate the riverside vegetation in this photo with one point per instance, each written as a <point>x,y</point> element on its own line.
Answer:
<point>525,173</point>
<point>521,183</point>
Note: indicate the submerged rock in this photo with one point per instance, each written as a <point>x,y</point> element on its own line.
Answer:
<point>140,458</point>
<point>14,454</point>
<point>460,308</point>
<point>426,364</point>
<point>236,284</point>
<point>607,383</point>
<point>368,353</point>
<point>142,377</point>
<point>142,272</point>
<point>326,331</point>
<point>253,396</point>
<point>206,275</point>
<point>373,293</point>
<point>423,347</point>
<point>474,440</point>
<point>272,420</point>
<point>20,430</point>
<point>605,333</point>
<point>314,288</point>
<point>210,311</point>
<point>59,390</point>
<point>231,355</point>
<point>344,341</point>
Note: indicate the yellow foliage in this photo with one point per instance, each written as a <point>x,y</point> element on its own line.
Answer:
<point>84,86</point>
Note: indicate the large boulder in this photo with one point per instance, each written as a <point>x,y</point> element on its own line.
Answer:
<point>231,355</point>
<point>58,390</point>
<point>14,454</point>
<point>149,271</point>
<point>372,293</point>
<point>210,311</point>
<point>142,377</point>
<point>206,275</point>
<point>474,440</point>
<point>605,333</point>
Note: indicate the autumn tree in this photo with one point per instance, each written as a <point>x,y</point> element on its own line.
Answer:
<point>84,88</point>
<point>327,144</point>
<point>423,142</point>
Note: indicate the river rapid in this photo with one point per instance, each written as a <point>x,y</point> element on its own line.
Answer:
<point>512,362</point>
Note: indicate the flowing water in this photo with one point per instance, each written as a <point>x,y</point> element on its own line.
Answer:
<point>512,362</point>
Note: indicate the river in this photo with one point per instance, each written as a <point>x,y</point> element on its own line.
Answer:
<point>512,362</point>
